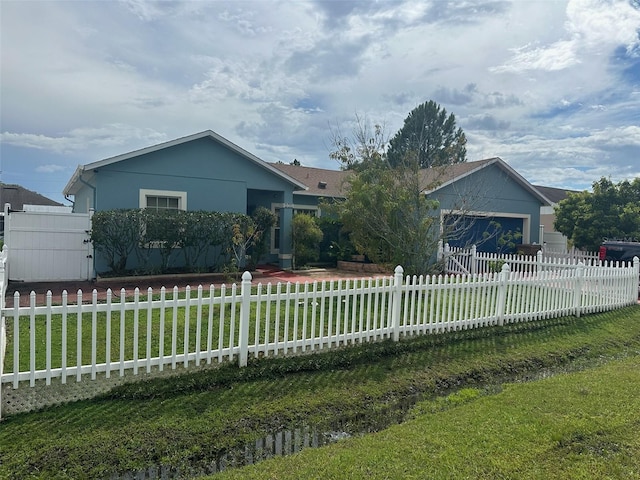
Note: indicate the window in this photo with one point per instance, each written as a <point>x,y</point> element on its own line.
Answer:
<point>162,203</point>
<point>163,199</point>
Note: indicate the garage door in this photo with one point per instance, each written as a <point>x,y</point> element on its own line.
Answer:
<point>488,234</point>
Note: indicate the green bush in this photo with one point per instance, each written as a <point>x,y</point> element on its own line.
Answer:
<point>118,235</point>
<point>306,240</point>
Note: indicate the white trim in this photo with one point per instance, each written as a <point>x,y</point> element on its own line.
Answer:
<point>526,219</point>
<point>181,196</point>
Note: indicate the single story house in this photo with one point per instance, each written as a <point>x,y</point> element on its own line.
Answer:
<point>205,171</point>
<point>479,200</point>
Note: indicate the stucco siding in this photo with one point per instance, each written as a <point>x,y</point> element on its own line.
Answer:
<point>214,177</point>
<point>491,190</point>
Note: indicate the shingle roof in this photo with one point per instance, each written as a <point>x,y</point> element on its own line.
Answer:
<point>432,178</point>
<point>319,181</point>
<point>19,196</point>
<point>555,195</point>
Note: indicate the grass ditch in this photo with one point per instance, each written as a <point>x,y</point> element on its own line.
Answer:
<point>186,422</point>
<point>580,425</point>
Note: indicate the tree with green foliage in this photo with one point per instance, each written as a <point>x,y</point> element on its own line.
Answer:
<point>306,235</point>
<point>429,135</point>
<point>610,211</point>
<point>386,211</point>
<point>389,217</point>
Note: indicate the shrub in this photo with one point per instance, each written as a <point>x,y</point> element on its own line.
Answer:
<point>306,240</point>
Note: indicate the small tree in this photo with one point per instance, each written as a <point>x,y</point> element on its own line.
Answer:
<point>249,232</point>
<point>198,235</point>
<point>306,240</point>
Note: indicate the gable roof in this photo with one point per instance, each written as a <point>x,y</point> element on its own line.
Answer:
<point>19,196</point>
<point>554,195</point>
<point>432,179</point>
<point>443,176</point>
<point>74,183</point>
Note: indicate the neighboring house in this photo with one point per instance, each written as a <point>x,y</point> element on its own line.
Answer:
<point>205,171</point>
<point>552,239</point>
<point>484,199</point>
<point>18,197</point>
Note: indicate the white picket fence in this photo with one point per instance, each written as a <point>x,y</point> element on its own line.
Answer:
<point>469,261</point>
<point>164,330</point>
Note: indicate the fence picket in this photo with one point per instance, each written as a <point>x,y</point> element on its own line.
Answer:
<point>161,333</point>
<point>78,337</point>
<point>48,338</point>
<point>325,315</point>
<point>94,333</point>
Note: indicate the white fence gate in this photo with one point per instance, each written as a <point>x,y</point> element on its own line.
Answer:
<point>48,245</point>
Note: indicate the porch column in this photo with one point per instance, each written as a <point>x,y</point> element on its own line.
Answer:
<point>285,256</point>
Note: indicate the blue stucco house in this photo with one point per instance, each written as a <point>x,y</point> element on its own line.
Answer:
<point>205,171</point>
<point>478,201</point>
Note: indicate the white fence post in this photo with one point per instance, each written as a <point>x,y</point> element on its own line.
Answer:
<point>3,329</point>
<point>539,267</point>
<point>502,293</point>
<point>577,289</point>
<point>440,254</point>
<point>396,302</point>
<point>636,268</point>
<point>91,254</point>
<point>245,309</point>
<point>473,267</point>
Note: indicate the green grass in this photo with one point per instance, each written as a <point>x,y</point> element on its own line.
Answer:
<point>149,331</point>
<point>110,338</point>
<point>573,426</point>
<point>187,421</point>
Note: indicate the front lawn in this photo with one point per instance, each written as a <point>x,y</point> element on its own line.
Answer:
<point>188,422</point>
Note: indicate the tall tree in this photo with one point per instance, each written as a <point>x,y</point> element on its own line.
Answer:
<point>430,136</point>
<point>610,211</point>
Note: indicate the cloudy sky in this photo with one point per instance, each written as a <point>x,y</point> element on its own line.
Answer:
<point>551,87</point>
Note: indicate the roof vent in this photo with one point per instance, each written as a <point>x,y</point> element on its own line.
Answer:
<point>322,185</point>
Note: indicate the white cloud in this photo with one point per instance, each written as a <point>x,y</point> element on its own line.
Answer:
<point>50,168</point>
<point>106,138</point>
<point>594,27</point>
<point>536,83</point>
